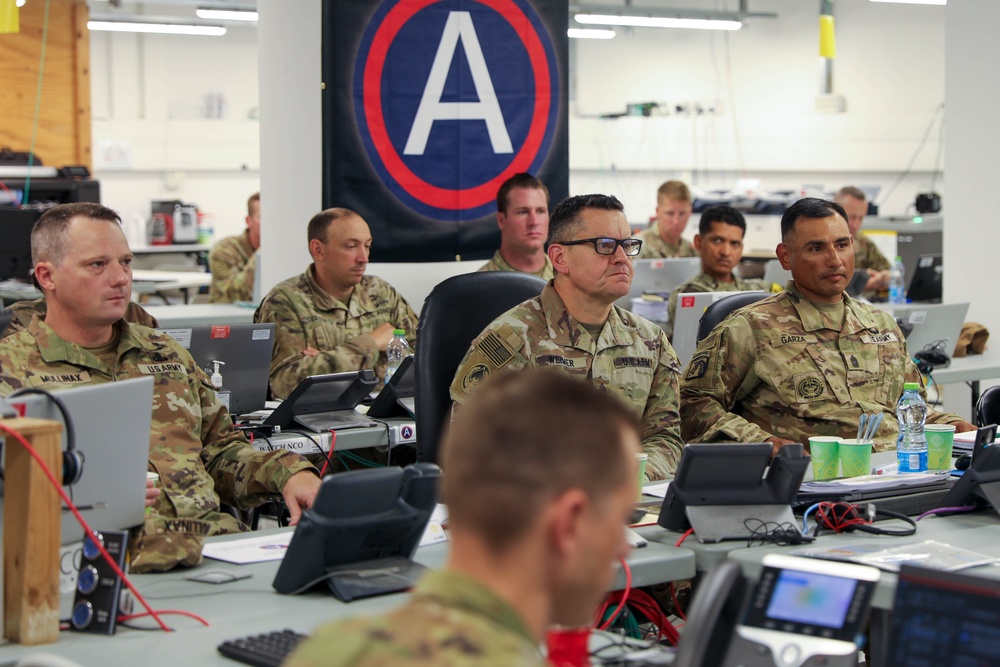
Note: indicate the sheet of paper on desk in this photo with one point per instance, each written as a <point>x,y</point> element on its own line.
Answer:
<point>656,490</point>
<point>250,549</point>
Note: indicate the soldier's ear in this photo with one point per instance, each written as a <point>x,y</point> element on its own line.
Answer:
<point>783,256</point>
<point>43,275</point>
<point>316,248</point>
<point>557,255</point>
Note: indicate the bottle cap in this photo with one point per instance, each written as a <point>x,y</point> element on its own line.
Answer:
<point>911,386</point>
<point>399,332</point>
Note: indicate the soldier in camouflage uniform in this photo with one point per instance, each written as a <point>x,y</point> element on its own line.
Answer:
<point>663,236</point>
<point>866,254</point>
<point>523,217</point>
<point>804,362</point>
<point>233,260</point>
<point>528,452</point>
<point>82,263</point>
<point>24,311</point>
<point>720,243</point>
<point>575,326</point>
<point>333,318</point>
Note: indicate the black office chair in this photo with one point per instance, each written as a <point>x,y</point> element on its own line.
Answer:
<point>454,313</point>
<point>719,310</point>
<point>988,407</point>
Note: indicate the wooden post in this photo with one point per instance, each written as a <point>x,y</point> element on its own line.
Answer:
<point>32,520</point>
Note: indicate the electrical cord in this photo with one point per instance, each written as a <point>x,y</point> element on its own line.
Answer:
<point>923,141</point>
<point>845,517</point>
<point>624,596</point>
<point>67,424</point>
<point>328,463</point>
<point>941,510</point>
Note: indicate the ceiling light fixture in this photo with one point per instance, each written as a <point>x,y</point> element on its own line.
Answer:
<point>658,22</point>
<point>226,14</point>
<point>158,28</point>
<point>590,33</point>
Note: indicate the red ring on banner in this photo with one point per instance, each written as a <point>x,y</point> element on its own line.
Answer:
<point>372,89</point>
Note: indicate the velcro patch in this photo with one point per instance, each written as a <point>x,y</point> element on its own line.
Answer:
<point>495,349</point>
<point>156,369</point>
<point>809,386</point>
<point>187,526</point>
<point>474,376</point>
<point>554,360</point>
<point>879,338</point>
<point>792,339</point>
<point>698,366</point>
<point>66,378</point>
<point>633,362</point>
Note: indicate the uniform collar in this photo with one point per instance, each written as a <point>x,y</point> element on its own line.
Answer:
<point>856,317</point>
<point>54,349</point>
<point>568,332</point>
<point>244,240</point>
<point>714,282</point>
<point>505,265</point>
<point>359,302</point>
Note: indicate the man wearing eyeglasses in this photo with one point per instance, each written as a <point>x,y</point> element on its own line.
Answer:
<point>575,326</point>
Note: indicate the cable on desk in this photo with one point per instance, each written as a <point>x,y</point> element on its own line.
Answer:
<point>328,463</point>
<point>805,518</point>
<point>132,617</point>
<point>687,533</point>
<point>624,598</point>
<point>941,510</point>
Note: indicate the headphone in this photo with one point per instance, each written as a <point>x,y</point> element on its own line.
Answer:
<point>844,517</point>
<point>72,463</point>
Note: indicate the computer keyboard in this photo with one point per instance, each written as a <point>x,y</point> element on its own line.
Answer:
<point>266,650</point>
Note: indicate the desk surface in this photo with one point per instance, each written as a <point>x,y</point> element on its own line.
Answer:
<point>251,606</point>
<point>971,368</point>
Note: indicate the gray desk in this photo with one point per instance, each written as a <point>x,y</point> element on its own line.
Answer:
<point>971,369</point>
<point>251,606</point>
<point>200,313</point>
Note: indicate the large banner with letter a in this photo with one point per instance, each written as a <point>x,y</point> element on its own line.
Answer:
<point>429,105</point>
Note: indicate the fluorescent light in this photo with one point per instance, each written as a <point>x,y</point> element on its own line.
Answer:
<point>590,33</point>
<point>658,22</point>
<point>159,28</point>
<point>915,2</point>
<point>20,3</point>
<point>226,14</point>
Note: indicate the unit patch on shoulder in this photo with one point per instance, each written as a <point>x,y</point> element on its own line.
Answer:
<point>495,349</point>
<point>698,366</point>
<point>474,376</point>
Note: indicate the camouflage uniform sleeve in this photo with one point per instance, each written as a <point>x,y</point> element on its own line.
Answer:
<point>288,363</point>
<point>232,279</point>
<point>243,476</point>
<point>876,260</point>
<point>720,373</point>
<point>672,312</point>
<point>499,349</point>
<point>138,315</point>
<point>407,320</point>
<point>661,420</point>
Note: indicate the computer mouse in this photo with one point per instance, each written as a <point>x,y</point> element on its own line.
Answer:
<point>963,461</point>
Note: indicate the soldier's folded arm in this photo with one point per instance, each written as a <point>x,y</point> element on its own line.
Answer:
<point>720,373</point>
<point>352,355</point>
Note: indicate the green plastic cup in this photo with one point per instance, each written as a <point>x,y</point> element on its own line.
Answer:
<point>641,472</point>
<point>825,453</point>
<point>940,438</point>
<point>856,457</point>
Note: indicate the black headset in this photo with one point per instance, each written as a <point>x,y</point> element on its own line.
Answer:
<point>72,466</point>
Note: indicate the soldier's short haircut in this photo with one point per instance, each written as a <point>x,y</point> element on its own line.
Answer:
<point>523,439</point>
<point>850,191</point>
<point>48,235</point>
<point>810,208</point>
<point>566,216</point>
<point>522,180</point>
<point>255,197</point>
<point>676,190</point>
<point>321,222</point>
<point>721,213</point>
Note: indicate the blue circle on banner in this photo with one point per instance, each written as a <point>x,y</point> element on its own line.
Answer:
<point>436,164</point>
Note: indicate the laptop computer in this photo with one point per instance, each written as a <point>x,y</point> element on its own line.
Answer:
<point>927,281</point>
<point>943,618</point>
<point>931,323</point>
<point>324,402</point>
<point>659,276</point>
<point>396,398</point>
<point>690,308</point>
<point>112,426</point>
<point>245,349</point>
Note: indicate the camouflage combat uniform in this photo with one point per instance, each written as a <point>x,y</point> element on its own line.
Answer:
<point>631,358</point>
<point>867,255</point>
<point>451,620</point>
<point>306,316</point>
<point>654,247</point>
<point>498,263</point>
<point>193,446</point>
<point>775,368</point>
<point>25,310</point>
<point>706,283</point>
<point>232,263</point>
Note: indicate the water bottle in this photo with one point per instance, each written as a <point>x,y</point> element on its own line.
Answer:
<point>396,351</point>
<point>911,447</point>
<point>897,291</point>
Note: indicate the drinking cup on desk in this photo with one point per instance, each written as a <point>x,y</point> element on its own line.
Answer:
<point>825,453</point>
<point>855,457</point>
<point>641,473</point>
<point>940,438</point>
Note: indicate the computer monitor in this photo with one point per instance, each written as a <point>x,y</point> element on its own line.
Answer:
<point>690,307</point>
<point>660,276</point>
<point>246,351</point>
<point>928,280</point>
<point>396,397</point>
<point>944,618</point>
<point>112,428</point>
<point>15,251</point>
<point>360,533</point>
<point>929,323</point>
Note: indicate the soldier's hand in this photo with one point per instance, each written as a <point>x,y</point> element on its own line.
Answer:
<point>963,426</point>
<point>878,281</point>
<point>777,443</point>
<point>310,352</point>
<point>152,492</point>
<point>300,492</point>
<point>383,335</point>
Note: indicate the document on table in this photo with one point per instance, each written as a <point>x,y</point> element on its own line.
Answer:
<point>656,490</point>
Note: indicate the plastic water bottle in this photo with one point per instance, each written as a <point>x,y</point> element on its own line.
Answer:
<point>911,447</point>
<point>897,290</point>
<point>396,351</point>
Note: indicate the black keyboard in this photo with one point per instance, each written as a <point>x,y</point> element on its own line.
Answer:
<point>267,650</point>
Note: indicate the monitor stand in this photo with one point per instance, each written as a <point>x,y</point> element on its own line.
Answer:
<point>715,523</point>
<point>373,577</point>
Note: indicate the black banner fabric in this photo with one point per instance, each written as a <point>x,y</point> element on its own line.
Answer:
<point>429,105</point>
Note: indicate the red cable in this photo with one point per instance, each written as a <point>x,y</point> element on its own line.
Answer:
<point>329,454</point>
<point>677,605</point>
<point>13,199</point>
<point>83,522</point>
<point>196,617</point>
<point>621,605</point>
<point>684,537</point>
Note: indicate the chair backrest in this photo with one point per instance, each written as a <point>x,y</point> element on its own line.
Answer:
<point>455,312</point>
<point>718,311</point>
<point>988,407</point>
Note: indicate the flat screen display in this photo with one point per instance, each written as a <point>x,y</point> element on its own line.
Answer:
<point>811,599</point>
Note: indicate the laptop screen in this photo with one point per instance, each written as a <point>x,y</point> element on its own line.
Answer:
<point>944,618</point>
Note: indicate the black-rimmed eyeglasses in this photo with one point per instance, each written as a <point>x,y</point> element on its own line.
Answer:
<point>607,246</point>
